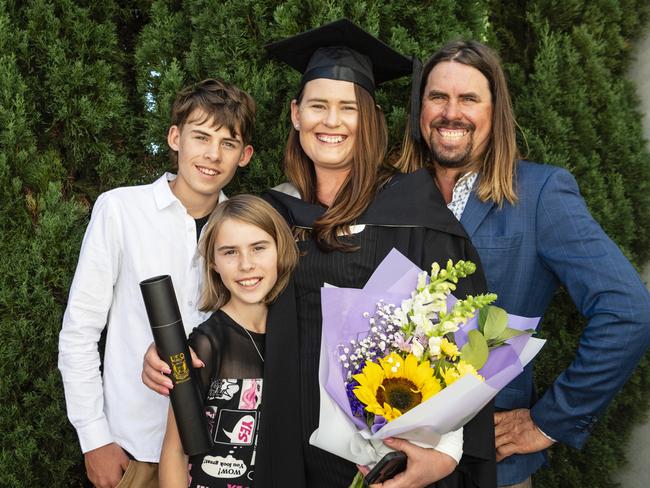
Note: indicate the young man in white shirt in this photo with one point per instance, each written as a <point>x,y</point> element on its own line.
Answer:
<point>136,233</point>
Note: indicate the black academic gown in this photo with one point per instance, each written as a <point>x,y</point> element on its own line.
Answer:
<point>408,214</point>
<point>279,448</point>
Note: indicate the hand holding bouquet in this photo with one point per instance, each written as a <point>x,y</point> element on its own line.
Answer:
<point>421,365</point>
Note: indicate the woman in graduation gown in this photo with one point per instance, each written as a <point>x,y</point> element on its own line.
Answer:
<point>349,210</point>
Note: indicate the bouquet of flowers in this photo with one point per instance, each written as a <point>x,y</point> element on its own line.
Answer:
<point>402,357</point>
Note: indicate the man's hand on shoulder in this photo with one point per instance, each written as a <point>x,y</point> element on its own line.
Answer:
<point>516,433</point>
<point>106,465</point>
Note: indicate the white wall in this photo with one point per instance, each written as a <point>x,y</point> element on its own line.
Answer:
<point>636,473</point>
<point>640,74</point>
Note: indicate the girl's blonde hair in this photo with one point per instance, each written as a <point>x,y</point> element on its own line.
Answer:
<point>251,210</point>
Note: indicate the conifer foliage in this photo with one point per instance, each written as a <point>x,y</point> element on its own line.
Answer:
<point>566,63</point>
<point>64,132</point>
<point>85,92</point>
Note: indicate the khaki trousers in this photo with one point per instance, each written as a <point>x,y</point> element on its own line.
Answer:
<point>139,475</point>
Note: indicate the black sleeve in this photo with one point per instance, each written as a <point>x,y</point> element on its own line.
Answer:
<point>206,346</point>
<point>227,349</point>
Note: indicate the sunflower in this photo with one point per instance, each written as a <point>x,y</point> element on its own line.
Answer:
<point>395,385</point>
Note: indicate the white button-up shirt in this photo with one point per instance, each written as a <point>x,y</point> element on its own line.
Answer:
<point>134,233</point>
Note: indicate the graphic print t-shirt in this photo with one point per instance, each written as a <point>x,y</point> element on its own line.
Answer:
<point>232,403</point>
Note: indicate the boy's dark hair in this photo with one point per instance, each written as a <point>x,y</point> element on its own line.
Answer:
<point>222,103</point>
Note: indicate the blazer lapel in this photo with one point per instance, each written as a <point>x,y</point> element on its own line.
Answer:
<point>474,213</point>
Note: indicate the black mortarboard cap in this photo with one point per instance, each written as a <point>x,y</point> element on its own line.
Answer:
<point>342,50</point>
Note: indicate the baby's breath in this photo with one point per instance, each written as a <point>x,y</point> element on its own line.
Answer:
<point>418,324</point>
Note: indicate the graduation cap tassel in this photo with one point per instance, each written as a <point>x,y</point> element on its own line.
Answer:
<point>416,83</point>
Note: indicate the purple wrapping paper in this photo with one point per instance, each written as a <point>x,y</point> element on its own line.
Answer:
<point>393,281</point>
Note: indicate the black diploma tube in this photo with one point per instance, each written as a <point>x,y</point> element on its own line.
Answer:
<point>169,336</point>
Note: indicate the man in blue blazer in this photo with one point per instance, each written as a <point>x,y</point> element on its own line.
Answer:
<point>534,233</point>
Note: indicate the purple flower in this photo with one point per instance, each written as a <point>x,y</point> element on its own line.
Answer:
<point>400,343</point>
<point>355,405</point>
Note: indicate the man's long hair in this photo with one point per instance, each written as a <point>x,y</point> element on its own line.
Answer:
<point>497,168</point>
<point>360,186</point>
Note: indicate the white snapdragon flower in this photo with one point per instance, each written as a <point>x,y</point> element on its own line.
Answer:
<point>422,307</point>
<point>434,346</point>
<point>406,305</point>
<point>439,302</point>
<point>424,298</point>
<point>423,326</point>
<point>417,349</point>
<point>422,281</point>
<point>449,325</point>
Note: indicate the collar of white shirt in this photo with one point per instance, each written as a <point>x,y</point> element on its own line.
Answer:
<point>163,195</point>
<point>461,192</point>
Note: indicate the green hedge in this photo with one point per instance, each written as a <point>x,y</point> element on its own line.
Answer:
<point>566,64</point>
<point>85,91</point>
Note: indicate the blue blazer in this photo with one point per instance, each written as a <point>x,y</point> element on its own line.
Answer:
<point>547,239</point>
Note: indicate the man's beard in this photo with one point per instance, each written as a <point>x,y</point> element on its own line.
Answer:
<point>458,159</point>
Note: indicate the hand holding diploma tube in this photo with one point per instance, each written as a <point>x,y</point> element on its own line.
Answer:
<point>169,337</point>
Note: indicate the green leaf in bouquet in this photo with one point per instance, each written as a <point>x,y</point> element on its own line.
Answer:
<point>496,322</point>
<point>508,333</point>
<point>482,317</point>
<point>475,352</point>
<point>370,420</point>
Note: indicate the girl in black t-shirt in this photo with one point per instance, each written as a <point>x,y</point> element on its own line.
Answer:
<point>249,254</point>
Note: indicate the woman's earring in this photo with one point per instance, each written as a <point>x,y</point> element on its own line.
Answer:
<point>297,126</point>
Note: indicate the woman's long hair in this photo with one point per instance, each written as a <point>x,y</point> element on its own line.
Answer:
<point>360,186</point>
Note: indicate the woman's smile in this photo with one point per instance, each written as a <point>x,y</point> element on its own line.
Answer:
<point>327,118</point>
